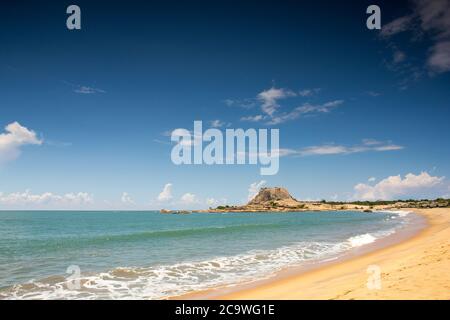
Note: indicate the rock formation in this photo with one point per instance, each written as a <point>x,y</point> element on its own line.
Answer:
<point>273,198</point>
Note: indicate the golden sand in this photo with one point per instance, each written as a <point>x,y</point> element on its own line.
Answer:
<point>418,268</point>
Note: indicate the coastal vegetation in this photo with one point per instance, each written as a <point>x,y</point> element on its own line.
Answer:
<point>278,199</point>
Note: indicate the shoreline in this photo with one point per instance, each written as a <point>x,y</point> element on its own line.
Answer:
<point>408,270</point>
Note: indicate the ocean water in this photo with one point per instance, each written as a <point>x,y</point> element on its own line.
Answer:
<point>148,255</point>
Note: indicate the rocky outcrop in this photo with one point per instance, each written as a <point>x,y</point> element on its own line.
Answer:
<point>267,200</point>
<point>271,196</point>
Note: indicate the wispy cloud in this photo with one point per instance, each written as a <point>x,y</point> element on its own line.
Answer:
<point>427,19</point>
<point>439,60</point>
<point>217,123</point>
<point>165,142</point>
<point>256,118</point>
<point>87,90</point>
<point>373,93</point>
<point>396,26</point>
<point>242,103</point>
<point>367,145</point>
<point>371,142</point>
<point>83,89</point>
<point>305,109</point>
<point>270,106</point>
<point>60,144</point>
<point>399,56</point>
<point>308,92</point>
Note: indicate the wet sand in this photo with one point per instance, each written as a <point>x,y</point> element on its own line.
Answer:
<point>410,266</point>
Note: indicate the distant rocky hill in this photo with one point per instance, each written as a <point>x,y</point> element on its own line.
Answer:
<point>274,197</point>
<point>267,200</point>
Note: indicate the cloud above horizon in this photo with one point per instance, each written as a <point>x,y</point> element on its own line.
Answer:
<point>16,136</point>
<point>166,193</point>
<point>253,189</point>
<point>126,198</point>
<point>395,187</point>
<point>46,199</point>
<point>189,199</point>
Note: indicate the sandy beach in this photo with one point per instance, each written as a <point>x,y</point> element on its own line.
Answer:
<point>416,268</point>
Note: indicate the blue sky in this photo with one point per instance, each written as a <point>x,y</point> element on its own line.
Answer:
<point>93,106</point>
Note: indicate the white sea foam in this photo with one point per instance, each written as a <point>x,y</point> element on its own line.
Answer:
<point>399,213</point>
<point>361,240</point>
<point>159,282</point>
<point>162,281</point>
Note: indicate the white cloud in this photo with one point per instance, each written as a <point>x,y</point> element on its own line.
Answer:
<point>211,201</point>
<point>367,145</point>
<point>430,18</point>
<point>399,56</point>
<point>217,123</point>
<point>389,147</point>
<point>373,93</point>
<point>330,149</point>
<point>439,60</point>
<point>324,150</point>
<point>254,189</point>
<point>242,103</point>
<point>308,92</point>
<point>47,199</point>
<point>189,198</point>
<point>305,109</point>
<point>269,100</point>
<point>396,26</point>
<point>270,97</point>
<point>126,198</point>
<point>166,194</point>
<point>371,142</point>
<point>256,118</point>
<point>15,137</point>
<point>372,179</point>
<point>434,16</point>
<point>396,187</point>
<point>272,153</point>
<point>87,90</point>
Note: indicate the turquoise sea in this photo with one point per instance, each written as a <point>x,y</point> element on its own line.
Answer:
<point>148,255</point>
